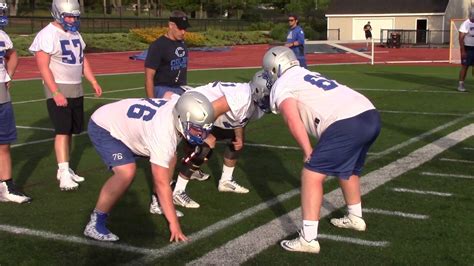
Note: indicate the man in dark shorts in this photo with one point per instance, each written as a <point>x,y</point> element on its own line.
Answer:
<point>166,63</point>
<point>368,31</point>
<point>59,53</point>
<point>466,45</point>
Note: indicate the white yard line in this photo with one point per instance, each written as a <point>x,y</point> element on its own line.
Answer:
<point>85,94</point>
<point>422,192</point>
<point>421,113</point>
<point>71,239</point>
<point>40,141</point>
<point>36,128</point>
<point>244,247</point>
<point>424,135</point>
<point>456,160</point>
<point>468,148</point>
<point>448,175</point>
<point>103,98</point>
<point>396,213</point>
<point>409,90</point>
<point>351,240</point>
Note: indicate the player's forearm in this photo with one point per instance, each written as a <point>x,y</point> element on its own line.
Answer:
<point>42,61</point>
<point>88,74</point>
<point>149,84</point>
<point>12,62</point>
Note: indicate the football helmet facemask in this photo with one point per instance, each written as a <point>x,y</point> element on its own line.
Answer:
<point>194,117</point>
<point>3,13</point>
<point>260,87</point>
<point>277,60</point>
<point>66,8</point>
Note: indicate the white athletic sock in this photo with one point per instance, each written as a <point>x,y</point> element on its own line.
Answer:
<point>355,209</point>
<point>181,184</point>
<point>227,173</point>
<point>310,230</point>
<point>63,166</point>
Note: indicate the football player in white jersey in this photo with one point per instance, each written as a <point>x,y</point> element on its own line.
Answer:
<point>59,52</point>
<point>244,100</point>
<point>346,124</point>
<point>152,128</point>
<point>8,64</point>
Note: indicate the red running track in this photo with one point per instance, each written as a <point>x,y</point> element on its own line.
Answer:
<point>237,56</point>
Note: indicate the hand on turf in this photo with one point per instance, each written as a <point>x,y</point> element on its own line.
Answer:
<point>176,234</point>
<point>60,100</point>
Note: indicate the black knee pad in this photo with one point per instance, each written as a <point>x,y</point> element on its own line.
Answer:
<point>193,160</point>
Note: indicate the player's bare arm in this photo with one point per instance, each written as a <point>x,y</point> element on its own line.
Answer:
<point>42,60</point>
<point>149,74</point>
<point>289,110</point>
<point>89,75</point>
<point>161,180</point>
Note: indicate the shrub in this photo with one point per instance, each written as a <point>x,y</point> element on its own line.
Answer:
<point>148,35</point>
<point>279,32</point>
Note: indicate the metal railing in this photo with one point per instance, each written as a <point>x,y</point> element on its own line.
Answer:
<point>416,37</point>
<point>30,25</point>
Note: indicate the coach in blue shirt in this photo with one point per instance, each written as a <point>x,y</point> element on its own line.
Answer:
<point>295,39</point>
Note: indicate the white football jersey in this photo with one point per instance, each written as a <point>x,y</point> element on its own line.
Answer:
<point>239,99</point>
<point>468,27</point>
<point>67,53</point>
<point>321,101</point>
<point>5,44</point>
<point>146,126</point>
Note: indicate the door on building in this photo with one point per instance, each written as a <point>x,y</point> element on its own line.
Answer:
<point>421,30</point>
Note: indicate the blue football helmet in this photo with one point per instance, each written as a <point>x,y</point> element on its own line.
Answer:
<point>3,13</point>
<point>194,117</point>
<point>66,8</point>
<point>260,87</point>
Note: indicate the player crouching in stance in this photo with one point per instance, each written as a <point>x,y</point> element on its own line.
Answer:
<point>8,63</point>
<point>145,127</point>
<point>346,124</point>
<point>243,103</point>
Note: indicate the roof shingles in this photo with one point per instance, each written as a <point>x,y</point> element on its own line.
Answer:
<point>340,7</point>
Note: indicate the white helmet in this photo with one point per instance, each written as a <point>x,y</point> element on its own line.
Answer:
<point>66,8</point>
<point>3,13</point>
<point>194,116</point>
<point>277,60</point>
<point>260,88</point>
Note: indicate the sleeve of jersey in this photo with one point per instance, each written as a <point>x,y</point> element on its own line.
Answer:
<point>42,43</point>
<point>82,42</point>
<point>153,57</point>
<point>8,41</point>
<point>277,96</point>
<point>161,152</point>
<point>238,102</point>
<point>300,36</point>
<point>464,28</point>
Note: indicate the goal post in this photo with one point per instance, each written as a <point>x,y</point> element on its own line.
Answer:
<point>348,51</point>
<point>454,52</point>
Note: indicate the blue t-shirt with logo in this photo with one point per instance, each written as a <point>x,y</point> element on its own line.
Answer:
<point>170,60</point>
<point>296,34</point>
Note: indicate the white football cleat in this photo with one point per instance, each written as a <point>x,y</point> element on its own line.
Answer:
<point>65,181</point>
<point>350,221</point>
<point>231,186</point>
<point>182,199</point>
<point>91,231</point>
<point>461,88</point>
<point>200,175</point>
<point>9,192</point>
<point>76,178</point>
<point>155,207</point>
<point>300,244</point>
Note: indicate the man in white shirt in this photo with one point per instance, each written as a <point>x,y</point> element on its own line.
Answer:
<point>152,128</point>
<point>59,52</point>
<point>466,45</point>
<point>345,123</point>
